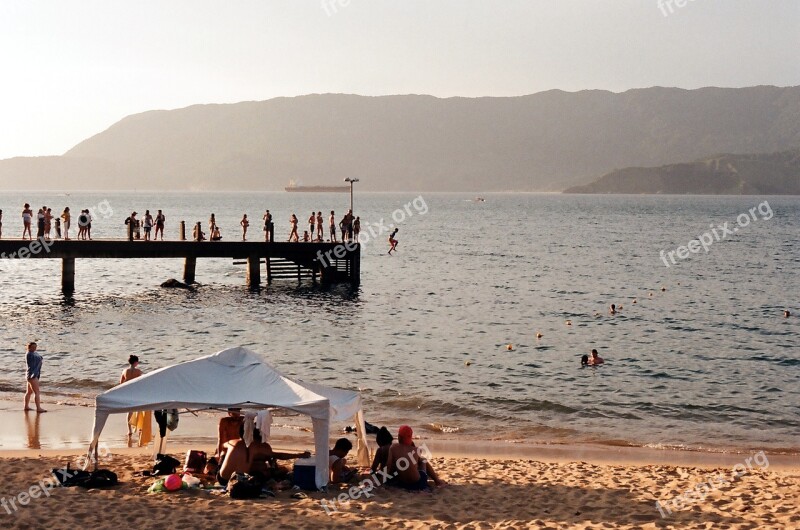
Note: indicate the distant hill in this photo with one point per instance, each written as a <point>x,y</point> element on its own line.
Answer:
<point>755,174</point>
<point>542,142</point>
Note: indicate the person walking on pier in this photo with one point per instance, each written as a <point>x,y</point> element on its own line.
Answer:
<point>332,223</point>
<point>66,217</point>
<point>245,223</point>
<point>293,234</point>
<point>160,219</point>
<point>33,362</point>
<point>148,224</point>
<point>27,216</point>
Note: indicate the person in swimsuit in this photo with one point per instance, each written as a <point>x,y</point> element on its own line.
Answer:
<point>332,223</point>
<point>27,216</point>
<point>229,429</point>
<point>595,359</point>
<point>410,476</point>
<point>239,458</point>
<point>132,372</point>
<point>356,228</point>
<point>216,235</point>
<point>393,241</point>
<point>40,223</point>
<point>66,217</point>
<point>33,362</point>
<point>269,228</point>
<point>148,224</point>
<point>384,439</point>
<point>160,219</point>
<point>48,222</point>
<point>1,224</point>
<point>245,223</point>
<point>320,235</point>
<point>212,224</point>
<point>58,227</point>
<point>293,234</point>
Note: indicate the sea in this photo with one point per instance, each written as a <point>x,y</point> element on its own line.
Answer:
<point>473,329</point>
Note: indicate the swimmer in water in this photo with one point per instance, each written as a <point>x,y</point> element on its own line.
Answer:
<point>595,360</point>
<point>585,360</point>
<point>613,310</point>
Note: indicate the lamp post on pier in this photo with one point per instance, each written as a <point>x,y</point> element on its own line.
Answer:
<point>351,181</point>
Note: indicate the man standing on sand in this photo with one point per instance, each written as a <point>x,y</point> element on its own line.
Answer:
<point>33,361</point>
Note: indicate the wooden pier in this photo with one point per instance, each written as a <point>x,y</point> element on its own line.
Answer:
<point>324,262</point>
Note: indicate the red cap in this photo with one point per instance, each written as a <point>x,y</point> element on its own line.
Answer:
<point>405,434</point>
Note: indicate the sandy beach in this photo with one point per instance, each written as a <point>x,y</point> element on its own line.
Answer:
<point>483,493</point>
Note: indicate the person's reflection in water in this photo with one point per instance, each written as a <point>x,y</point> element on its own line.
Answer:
<point>32,423</point>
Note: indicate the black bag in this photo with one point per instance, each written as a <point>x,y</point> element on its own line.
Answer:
<point>101,478</point>
<point>70,477</point>
<point>244,486</point>
<point>165,465</point>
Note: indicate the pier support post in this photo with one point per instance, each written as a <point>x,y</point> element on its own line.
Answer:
<point>254,272</point>
<point>355,266</point>
<point>198,228</point>
<point>188,270</point>
<point>183,230</point>
<point>68,274</point>
<point>269,271</point>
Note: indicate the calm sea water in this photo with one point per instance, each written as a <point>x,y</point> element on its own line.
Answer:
<point>710,362</point>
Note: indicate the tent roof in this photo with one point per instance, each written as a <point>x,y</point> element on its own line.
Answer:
<point>235,377</point>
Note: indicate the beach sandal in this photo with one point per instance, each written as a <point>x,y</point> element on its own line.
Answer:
<point>299,495</point>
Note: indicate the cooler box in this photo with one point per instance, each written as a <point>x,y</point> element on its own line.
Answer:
<point>304,472</point>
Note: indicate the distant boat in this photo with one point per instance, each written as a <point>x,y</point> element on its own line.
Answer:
<point>479,199</point>
<point>292,187</point>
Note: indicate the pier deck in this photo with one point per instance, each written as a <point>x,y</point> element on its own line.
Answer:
<point>330,262</point>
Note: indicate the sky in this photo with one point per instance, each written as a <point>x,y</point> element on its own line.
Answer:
<point>69,69</point>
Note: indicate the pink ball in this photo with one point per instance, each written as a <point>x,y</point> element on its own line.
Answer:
<point>173,483</point>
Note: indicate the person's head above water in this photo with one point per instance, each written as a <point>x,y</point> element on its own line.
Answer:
<point>584,360</point>
<point>594,353</point>
<point>133,360</point>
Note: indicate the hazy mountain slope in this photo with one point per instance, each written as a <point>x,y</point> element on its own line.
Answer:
<point>544,141</point>
<point>767,174</point>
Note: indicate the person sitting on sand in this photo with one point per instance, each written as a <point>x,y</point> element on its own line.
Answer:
<point>230,428</point>
<point>384,439</point>
<point>337,460</point>
<point>254,460</point>
<point>409,476</point>
<point>595,360</point>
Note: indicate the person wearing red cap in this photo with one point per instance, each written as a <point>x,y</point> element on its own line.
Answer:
<point>408,465</point>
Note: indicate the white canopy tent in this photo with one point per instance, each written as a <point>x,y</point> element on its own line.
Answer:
<point>237,377</point>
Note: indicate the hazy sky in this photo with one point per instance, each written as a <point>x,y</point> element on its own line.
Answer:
<point>71,68</point>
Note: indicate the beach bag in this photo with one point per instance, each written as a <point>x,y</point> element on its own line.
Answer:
<point>70,477</point>
<point>244,486</point>
<point>195,461</point>
<point>165,465</point>
<point>101,478</point>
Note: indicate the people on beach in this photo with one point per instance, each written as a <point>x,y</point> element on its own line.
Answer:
<point>244,223</point>
<point>393,241</point>
<point>27,217</point>
<point>595,359</point>
<point>384,440</point>
<point>409,476</point>
<point>65,216</point>
<point>131,372</point>
<point>160,220</point>
<point>337,461</point>
<point>332,226</point>
<point>33,374</point>
<point>253,459</point>
<point>229,428</point>
<point>148,224</point>
<point>293,234</point>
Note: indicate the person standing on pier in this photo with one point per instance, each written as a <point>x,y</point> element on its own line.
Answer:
<point>148,224</point>
<point>312,224</point>
<point>33,362</point>
<point>40,223</point>
<point>27,216</point>
<point>88,232</point>
<point>58,227</point>
<point>245,223</point>
<point>1,224</point>
<point>356,228</point>
<point>320,234</point>
<point>293,234</point>
<point>160,219</point>
<point>48,222</point>
<point>66,217</point>
<point>332,223</point>
<point>269,228</point>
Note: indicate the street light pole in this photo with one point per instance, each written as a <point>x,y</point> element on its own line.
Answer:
<point>351,181</point>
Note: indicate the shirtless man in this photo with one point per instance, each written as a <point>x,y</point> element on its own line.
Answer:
<point>320,234</point>
<point>254,459</point>
<point>132,372</point>
<point>332,227</point>
<point>413,474</point>
<point>230,428</point>
<point>595,359</point>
